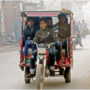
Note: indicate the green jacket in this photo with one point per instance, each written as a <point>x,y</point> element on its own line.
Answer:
<point>64,30</point>
<point>45,36</point>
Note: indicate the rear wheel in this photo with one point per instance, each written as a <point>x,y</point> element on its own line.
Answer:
<point>67,75</point>
<point>61,71</point>
<point>27,71</point>
<point>40,76</point>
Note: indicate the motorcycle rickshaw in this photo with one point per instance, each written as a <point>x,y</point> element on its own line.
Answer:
<point>42,52</point>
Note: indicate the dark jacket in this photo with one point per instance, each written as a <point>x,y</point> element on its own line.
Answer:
<point>64,30</point>
<point>29,33</point>
<point>48,33</point>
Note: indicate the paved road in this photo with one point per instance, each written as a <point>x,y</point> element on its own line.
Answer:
<point>11,77</point>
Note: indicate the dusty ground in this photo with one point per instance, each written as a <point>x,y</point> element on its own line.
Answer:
<point>11,77</point>
<point>9,48</point>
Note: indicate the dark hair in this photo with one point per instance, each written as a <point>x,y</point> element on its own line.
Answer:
<point>28,20</point>
<point>43,19</point>
<point>62,16</point>
<point>49,18</point>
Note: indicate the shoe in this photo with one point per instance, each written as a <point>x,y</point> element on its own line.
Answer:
<point>30,75</point>
<point>52,72</point>
<point>21,66</point>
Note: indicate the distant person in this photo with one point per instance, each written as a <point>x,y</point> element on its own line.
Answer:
<point>13,35</point>
<point>84,28</point>
<point>76,31</point>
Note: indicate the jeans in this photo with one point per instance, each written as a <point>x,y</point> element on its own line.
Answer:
<point>58,47</point>
<point>33,55</point>
<point>52,53</point>
<point>65,46</point>
<point>52,56</point>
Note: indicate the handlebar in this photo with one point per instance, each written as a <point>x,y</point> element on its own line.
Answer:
<point>51,44</point>
<point>31,42</point>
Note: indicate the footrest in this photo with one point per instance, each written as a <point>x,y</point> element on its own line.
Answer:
<point>63,65</point>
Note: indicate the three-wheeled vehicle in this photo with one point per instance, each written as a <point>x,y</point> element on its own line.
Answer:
<point>63,66</point>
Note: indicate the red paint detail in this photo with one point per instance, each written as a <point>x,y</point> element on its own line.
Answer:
<point>62,65</point>
<point>67,61</point>
<point>42,13</point>
<point>47,57</point>
<point>71,45</point>
<point>21,44</point>
<point>28,56</point>
<point>60,61</point>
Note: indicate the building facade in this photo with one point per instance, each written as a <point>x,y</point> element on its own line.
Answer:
<point>0,20</point>
<point>11,14</point>
<point>12,17</point>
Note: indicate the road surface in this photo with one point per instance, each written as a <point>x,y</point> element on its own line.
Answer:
<point>11,77</point>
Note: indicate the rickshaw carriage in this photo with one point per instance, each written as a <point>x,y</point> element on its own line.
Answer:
<point>63,62</point>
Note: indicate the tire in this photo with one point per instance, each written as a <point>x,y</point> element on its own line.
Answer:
<point>27,80</point>
<point>67,75</point>
<point>61,71</point>
<point>39,76</point>
<point>27,71</point>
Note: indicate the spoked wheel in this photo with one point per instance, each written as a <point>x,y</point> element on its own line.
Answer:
<point>67,75</point>
<point>40,76</point>
<point>27,71</point>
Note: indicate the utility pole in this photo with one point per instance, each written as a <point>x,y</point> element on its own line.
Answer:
<point>2,19</point>
<point>2,23</point>
<point>21,6</point>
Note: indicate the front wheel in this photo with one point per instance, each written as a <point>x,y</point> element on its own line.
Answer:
<point>67,75</point>
<point>40,76</point>
<point>27,71</point>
